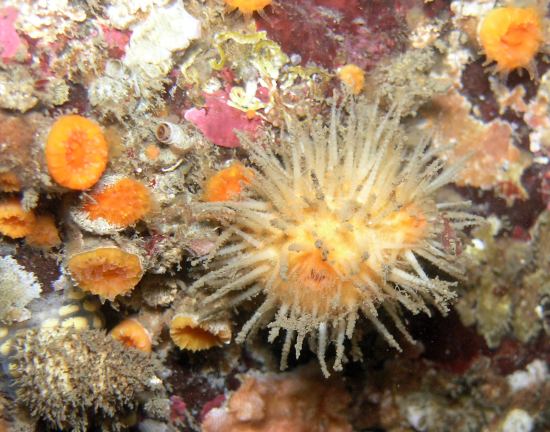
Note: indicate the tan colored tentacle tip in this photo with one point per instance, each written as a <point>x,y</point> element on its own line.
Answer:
<point>189,333</point>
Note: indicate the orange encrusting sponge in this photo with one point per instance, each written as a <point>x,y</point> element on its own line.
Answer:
<point>15,222</point>
<point>122,203</point>
<point>227,184</point>
<point>106,271</point>
<point>511,37</point>
<point>131,333</point>
<point>248,7</point>
<point>76,152</point>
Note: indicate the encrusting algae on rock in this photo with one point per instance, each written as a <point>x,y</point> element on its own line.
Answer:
<point>336,223</point>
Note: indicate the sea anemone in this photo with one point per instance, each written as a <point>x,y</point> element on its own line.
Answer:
<point>119,202</point>
<point>105,271</point>
<point>15,221</point>
<point>189,333</point>
<point>76,152</point>
<point>336,222</point>
<point>131,333</point>
<point>353,77</point>
<point>248,7</point>
<point>511,37</point>
<point>227,184</point>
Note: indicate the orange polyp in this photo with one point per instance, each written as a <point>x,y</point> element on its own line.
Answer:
<point>76,152</point>
<point>353,76</point>
<point>121,204</point>
<point>9,182</point>
<point>44,233</point>
<point>189,334</point>
<point>106,271</point>
<point>15,222</point>
<point>248,7</point>
<point>511,37</point>
<point>131,333</point>
<point>227,184</point>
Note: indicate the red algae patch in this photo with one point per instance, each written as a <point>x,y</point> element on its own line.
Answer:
<point>511,37</point>
<point>131,333</point>
<point>15,221</point>
<point>106,271</point>
<point>76,152</point>
<point>121,203</point>
<point>300,401</point>
<point>227,184</point>
<point>218,121</point>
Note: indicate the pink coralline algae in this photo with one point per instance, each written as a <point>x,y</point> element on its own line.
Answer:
<point>336,32</point>
<point>219,121</point>
<point>116,41</point>
<point>9,39</point>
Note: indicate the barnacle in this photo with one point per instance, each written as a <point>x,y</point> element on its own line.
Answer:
<point>106,271</point>
<point>76,152</point>
<point>511,36</point>
<point>9,182</point>
<point>76,379</point>
<point>121,203</point>
<point>132,333</point>
<point>189,333</point>
<point>248,7</point>
<point>44,233</point>
<point>227,183</point>
<point>334,224</point>
<point>352,76</point>
<point>15,221</point>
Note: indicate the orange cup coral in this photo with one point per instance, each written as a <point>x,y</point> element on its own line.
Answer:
<point>511,37</point>
<point>248,7</point>
<point>106,271</point>
<point>76,152</point>
<point>131,333</point>
<point>15,222</point>
<point>122,203</point>
<point>227,183</point>
<point>352,76</point>
<point>188,333</point>
<point>44,233</point>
